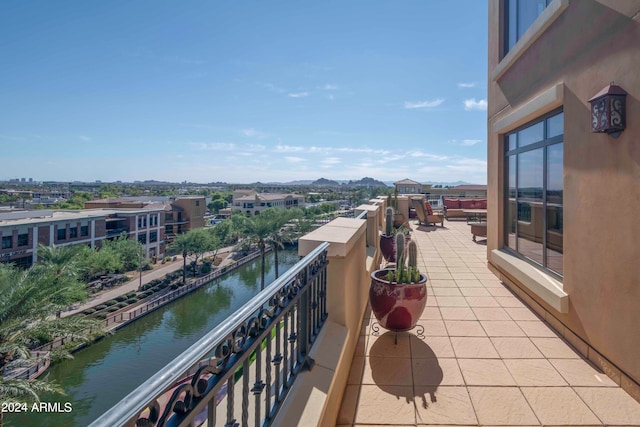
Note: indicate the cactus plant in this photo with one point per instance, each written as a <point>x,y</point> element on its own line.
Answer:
<point>388,215</point>
<point>405,273</point>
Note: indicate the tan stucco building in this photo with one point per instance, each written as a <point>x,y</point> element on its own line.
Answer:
<point>563,202</point>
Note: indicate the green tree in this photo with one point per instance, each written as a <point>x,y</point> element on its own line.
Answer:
<point>194,242</point>
<point>30,300</point>
<point>94,263</point>
<point>260,229</point>
<point>128,251</point>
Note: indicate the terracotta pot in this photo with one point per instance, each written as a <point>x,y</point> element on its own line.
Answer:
<point>399,219</point>
<point>397,306</point>
<point>387,247</point>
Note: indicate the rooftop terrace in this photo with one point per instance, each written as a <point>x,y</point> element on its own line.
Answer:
<point>485,357</point>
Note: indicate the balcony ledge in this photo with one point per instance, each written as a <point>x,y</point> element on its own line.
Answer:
<point>541,284</point>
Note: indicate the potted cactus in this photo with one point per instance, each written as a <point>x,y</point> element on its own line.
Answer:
<point>386,239</point>
<point>398,295</point>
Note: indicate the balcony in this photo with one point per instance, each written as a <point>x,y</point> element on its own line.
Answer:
<point>315,356</point>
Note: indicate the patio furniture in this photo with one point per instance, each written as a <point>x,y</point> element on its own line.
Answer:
<point>425,213</point>
<point>455,207</point>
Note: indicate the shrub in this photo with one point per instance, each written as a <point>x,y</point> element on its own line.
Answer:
<point>162,285</point>
<point>110,302</point>
<point>89,311</point>
<point>132,300</point>
<point>101,316</point>
<point>130,294</point>
<point>122,304</point>
<point>101,307</point>
<point>121,298</point>
<point>147,293</point>
<point>174,286</point>
<point>112,309</point>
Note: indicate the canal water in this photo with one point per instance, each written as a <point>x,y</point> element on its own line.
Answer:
<point>100,375</point>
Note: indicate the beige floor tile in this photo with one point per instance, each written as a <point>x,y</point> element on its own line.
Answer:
<point>521,313</point>
<point>432,301</point>
<point>491,313</point>
<point>452,302</point>
<point>475,292</point>
<point>457,313</point>
<point>457,275</point>
<point>502,328</point>
<point>442,283</point>
<point>489,372</point>
<point>516,348</point>
<point>430,268</point>
<point>534,372</point>
<point>385,371</point>
<point>383,345</point>
<point>436,372</point>
<point>430,347</point>
<point>464,328</point>
<point>473,347</point>
<point>510,301</point>
<point>482,302</point>
<point>441,275</point>
<point>487,275</point>
<point>433,328</point>
<point>385,405</point>
<point>431,313</point>
<point>348,407</point>
<point>500,292</point>
<point>559,406</point>
<point>444,292</point>
<point>580,373</point>
<point>356,370</point>
<point>469,283</point>
<point>445,405</point>
<point>555,348</point>
<point>612,405</point>
<point>536,328</point>
<point>492,283</point>
<point>501,406</point>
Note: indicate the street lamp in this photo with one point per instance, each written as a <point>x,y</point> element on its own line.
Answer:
<point>140,267</point>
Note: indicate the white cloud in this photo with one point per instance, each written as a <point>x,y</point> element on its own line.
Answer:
<point>331,161</point>
<point>329,86</point>
<point>298,94</point>
<point>466,85</point>
<point>272,87</point>
<point>472,104</point>
<point>289,148</point>
<point>465,142</point>
<point>84,138</point>
<point>201,146</point>
<point>252,133</point>
<point>293,159</point>
<point>423,104</point>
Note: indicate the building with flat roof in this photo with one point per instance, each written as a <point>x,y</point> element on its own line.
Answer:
<point>252,203</point>
<point>562,198</point>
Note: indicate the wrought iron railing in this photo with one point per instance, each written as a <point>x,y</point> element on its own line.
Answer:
<point>259,350</point>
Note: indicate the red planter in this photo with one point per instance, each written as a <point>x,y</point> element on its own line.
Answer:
<point>397,306</point>
<point>387,247</point>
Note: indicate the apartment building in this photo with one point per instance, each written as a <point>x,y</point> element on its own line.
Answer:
<point>562,197</point>
<point>252,203</point>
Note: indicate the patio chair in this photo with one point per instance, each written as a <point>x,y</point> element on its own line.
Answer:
<point>425,213</point>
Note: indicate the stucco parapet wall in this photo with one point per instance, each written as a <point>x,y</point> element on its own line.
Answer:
<point>539,26</point>
<point>541,284</point>
<point>341,233</point>
<point>372,210</point>
<point>543,103</point>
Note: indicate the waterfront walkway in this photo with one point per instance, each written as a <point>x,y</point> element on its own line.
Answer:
<point>158,272</point>
<point>485,357</point>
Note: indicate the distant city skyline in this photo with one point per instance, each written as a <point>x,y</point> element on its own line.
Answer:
<point>246,92</point>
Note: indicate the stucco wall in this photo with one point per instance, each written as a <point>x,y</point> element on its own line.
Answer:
<point>589,45</point>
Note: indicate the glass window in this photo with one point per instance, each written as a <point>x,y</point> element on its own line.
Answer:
<point>84,230</point>
<point>533,208</point>
<point>73,232</point>
<point>520,15</point>
<point>153,237</point>
<point>23,239</point>
<point>62,234</point>
<point>7,242</point>
<point>142,238</point>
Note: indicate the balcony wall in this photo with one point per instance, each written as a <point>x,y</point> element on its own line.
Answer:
<point>353,252</point>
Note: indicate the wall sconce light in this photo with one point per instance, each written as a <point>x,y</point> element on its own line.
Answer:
<point>608,111</point>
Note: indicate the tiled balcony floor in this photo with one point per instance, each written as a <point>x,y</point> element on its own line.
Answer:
<point>485,358</point>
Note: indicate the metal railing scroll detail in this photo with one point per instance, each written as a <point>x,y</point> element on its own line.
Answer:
<point>240,372</point>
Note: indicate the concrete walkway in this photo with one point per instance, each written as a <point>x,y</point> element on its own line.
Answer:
<point>485,359</point>
<point>158,272</point>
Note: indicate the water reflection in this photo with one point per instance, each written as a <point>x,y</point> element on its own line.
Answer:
<point>103,373</point>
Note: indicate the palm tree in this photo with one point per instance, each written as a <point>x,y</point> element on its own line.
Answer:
<point>30,300</point>
<point>280,235</point>
<point>61,264</point>
<point>260,228</point>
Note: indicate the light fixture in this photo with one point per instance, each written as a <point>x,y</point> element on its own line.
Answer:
<point>608,110</point>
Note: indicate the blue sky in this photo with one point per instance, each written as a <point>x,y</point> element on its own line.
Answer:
<point>242,91</point>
